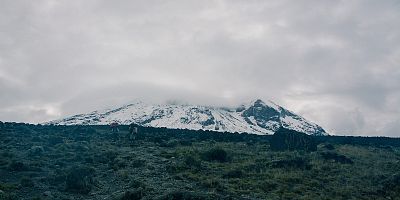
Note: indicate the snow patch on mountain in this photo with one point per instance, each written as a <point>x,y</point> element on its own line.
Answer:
<point>257,117</point>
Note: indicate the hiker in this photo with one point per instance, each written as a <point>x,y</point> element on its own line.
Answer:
<point>133,131</point>
<point>114,127</point>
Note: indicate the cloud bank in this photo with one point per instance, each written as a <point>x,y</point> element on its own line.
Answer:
<point>334,62</point>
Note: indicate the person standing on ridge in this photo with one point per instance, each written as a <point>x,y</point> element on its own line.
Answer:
<point>114,127</point>
<point>133,131</point>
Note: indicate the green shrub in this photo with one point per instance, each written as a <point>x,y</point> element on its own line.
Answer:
<point>80,180</point>
<point>172,169</point>
<point>233,174</point>
<point>7,186</point>
<point>268,186</point>
<point>36,151</point>
<point>137,184</point>
<point>213,183</point>
<point>168,144</point>
<point>138,163</point>
<point>391,187</point>
<point>168,155</point>
<point>27,182</point>
<point>216,154</point>
<point>133,195</point>
<point>106,157</point>
<point>17,166</point>
<point>296,163</point>
<point>183,195</point>
<point>158,140</point>
<point>329,147</point>
<point>118,164</point>
<point>185,143</point>
<point>7,196</point>
<point>54,140</point>
<point>7,154</point>
<point>290,140</point>
<point>57,178</point>
<point>336,158</point>
<point>192,162</point>
<point>110,155</point>
<point>3,162</point>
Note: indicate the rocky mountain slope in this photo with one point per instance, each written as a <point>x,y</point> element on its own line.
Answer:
<point>257,117</point>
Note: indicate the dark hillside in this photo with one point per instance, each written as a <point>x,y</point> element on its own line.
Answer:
<point>91,162</point>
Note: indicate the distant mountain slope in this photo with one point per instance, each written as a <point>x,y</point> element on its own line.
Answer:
<point>256,117</point>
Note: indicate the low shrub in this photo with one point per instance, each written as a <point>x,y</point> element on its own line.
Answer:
<point>36,151</point>
<point>268,186</point>
<point>158,140</point>
<point>391,187</point>
<point>291,140</point>
<point>118,164</point>
<point>183,195</point>
<point>168,144</point>
<point>192,162</point>
<point>329,147</point>
<point>110,155</point>
<point>54,140</point>
<point>138,163</point>
<point>185,143</point>
<point>7,154</point>
<point>7,196</point>
<point>106,157</point>
<point>133,195</point>
<point>296,163</point>
<point>83,130</point>
<point>3,162</point>
<point>233,174</point>
<point>7,187</point>
<point>27,182</point>
<point>216,154</point>
<point>336,158</point>
<point>80,180</point>
<point>57,178</point>
<point>17,166</point>
<point>213,183</point>
<point>137,184</point>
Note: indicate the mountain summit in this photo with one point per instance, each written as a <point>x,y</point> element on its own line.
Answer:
<point>257,117</point>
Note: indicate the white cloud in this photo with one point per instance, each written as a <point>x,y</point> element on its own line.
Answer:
<point>335,62</point>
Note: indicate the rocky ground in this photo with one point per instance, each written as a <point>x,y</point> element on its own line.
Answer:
<point>91,162</point>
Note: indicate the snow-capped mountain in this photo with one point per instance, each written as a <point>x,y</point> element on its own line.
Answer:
<point>257,117</point>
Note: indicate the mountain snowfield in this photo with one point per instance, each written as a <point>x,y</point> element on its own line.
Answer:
<point>257,117</point>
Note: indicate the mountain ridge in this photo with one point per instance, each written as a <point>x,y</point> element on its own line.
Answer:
<point>257,117</point>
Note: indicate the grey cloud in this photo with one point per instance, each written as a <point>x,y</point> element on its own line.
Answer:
<point>335,62</point>
<point>392,129</point>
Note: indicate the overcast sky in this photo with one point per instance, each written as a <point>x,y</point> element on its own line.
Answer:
<point>337,63</point>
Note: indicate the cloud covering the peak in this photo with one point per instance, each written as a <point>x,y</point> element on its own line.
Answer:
<point>334,62</point>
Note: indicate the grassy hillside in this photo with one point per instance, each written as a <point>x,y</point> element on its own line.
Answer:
<point>90,162</point>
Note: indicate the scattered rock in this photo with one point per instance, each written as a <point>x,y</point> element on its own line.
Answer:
<point>47,194</point>
<point>36,151</point>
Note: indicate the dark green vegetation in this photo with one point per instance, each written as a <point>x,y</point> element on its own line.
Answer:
<point>285,139</point>
<point>90,162</point>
